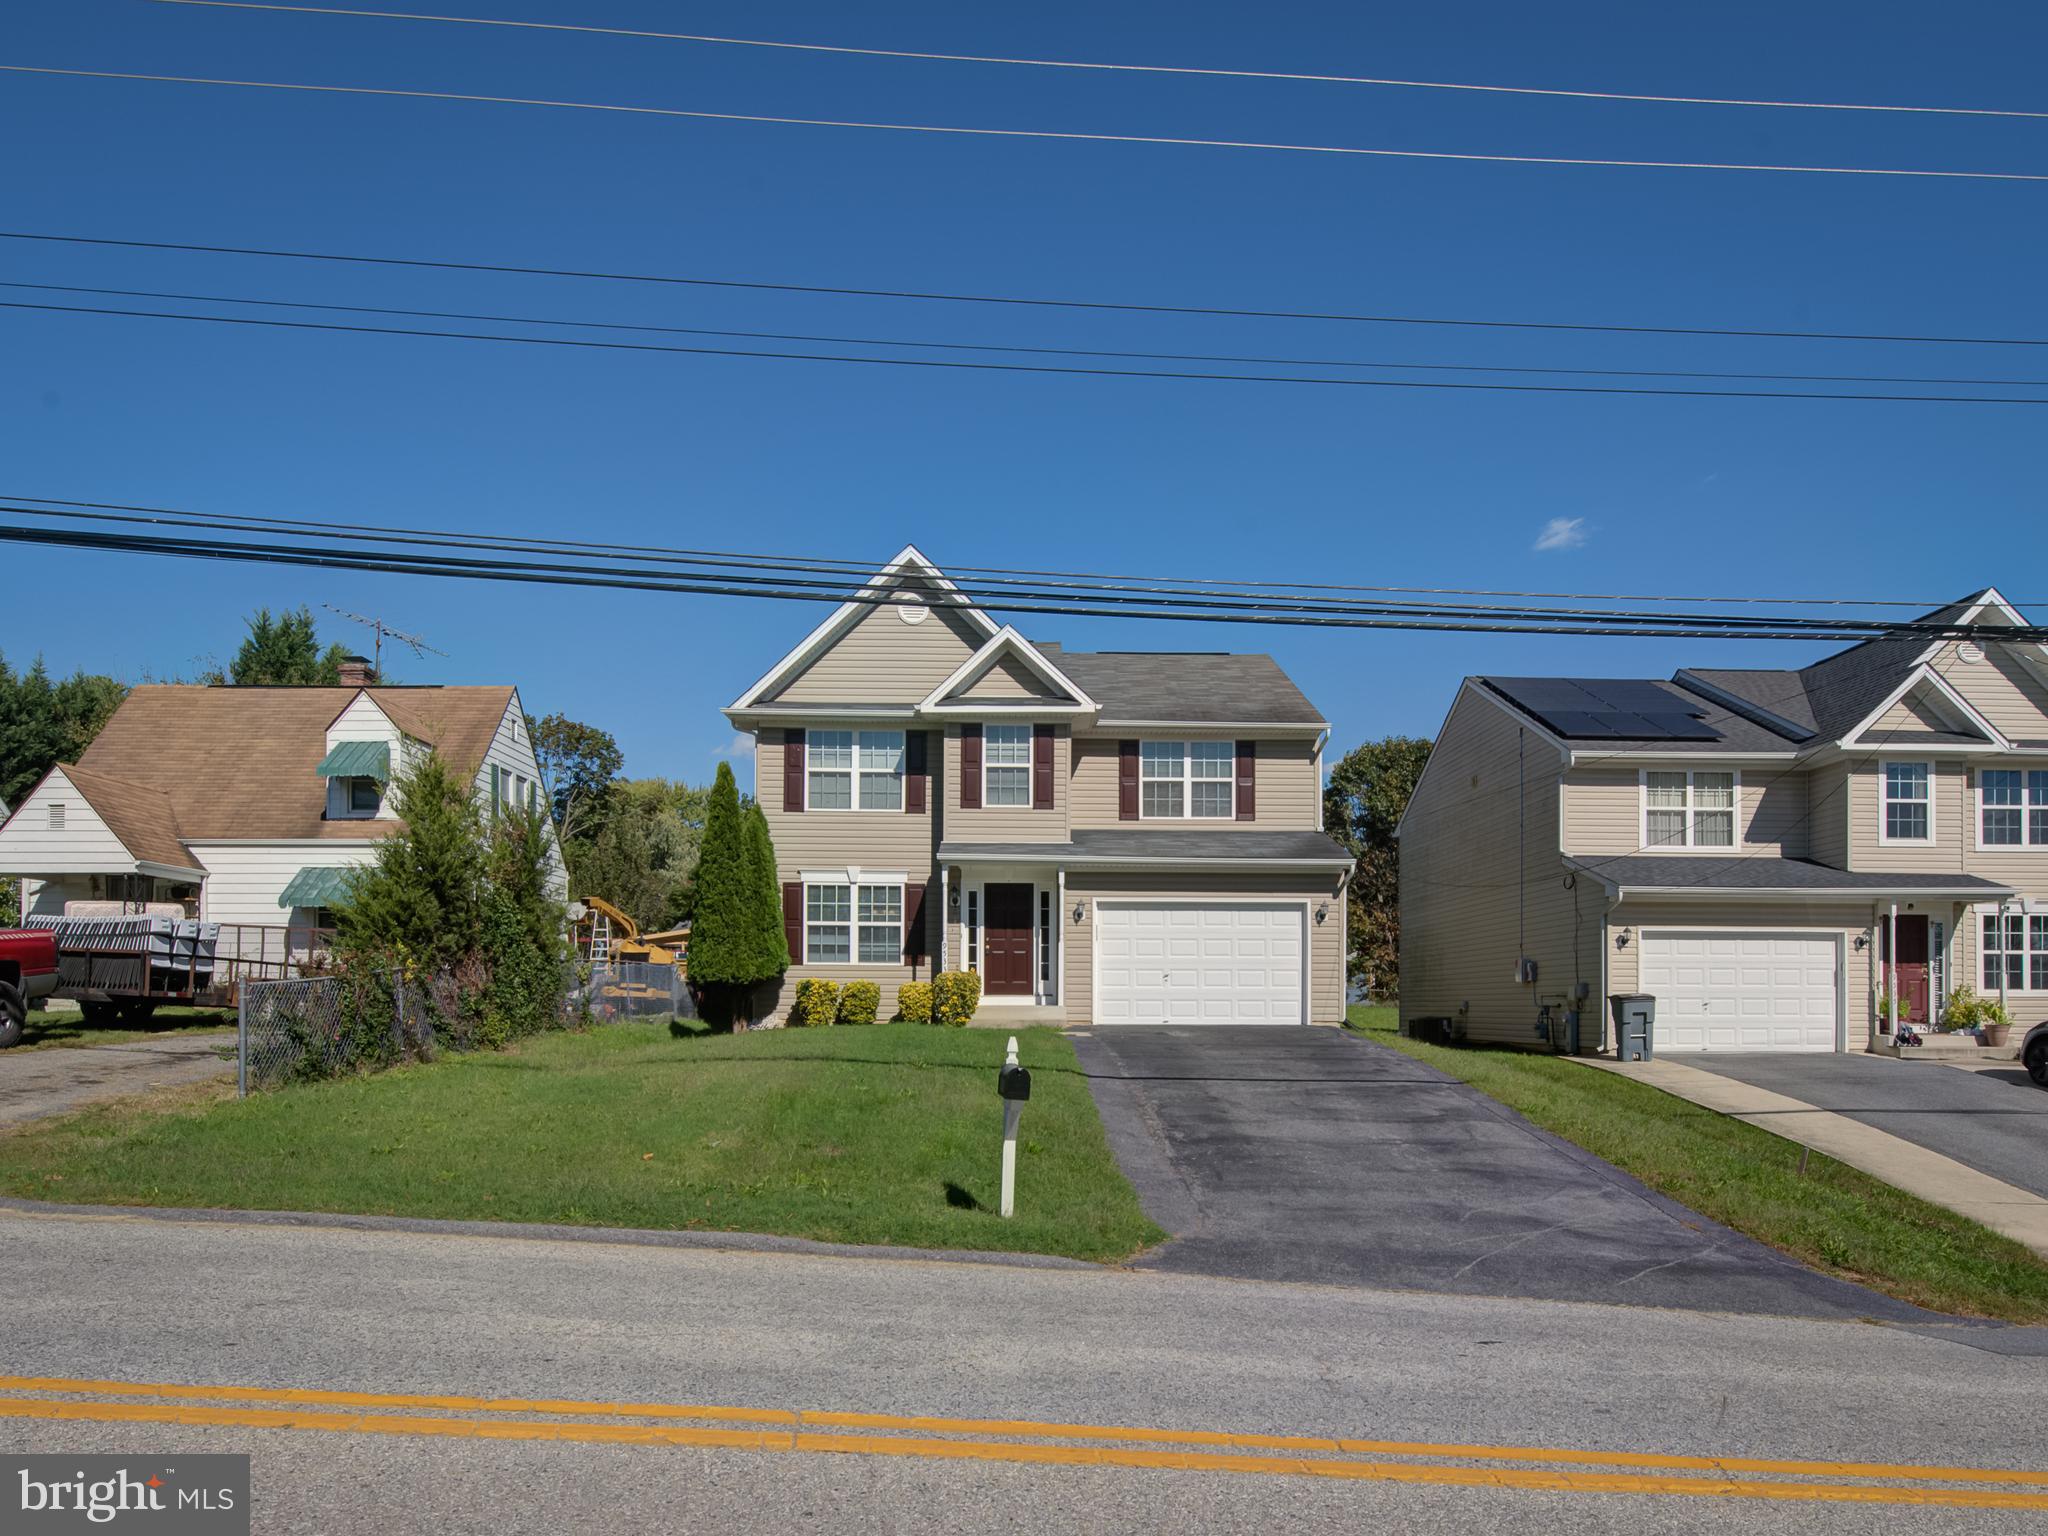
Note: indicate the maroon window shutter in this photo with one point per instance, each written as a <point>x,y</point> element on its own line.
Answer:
<point>1127,781</point>
<point>1247,781</point>
<point>1041,767</point>
<point>970,767</point>
<point>793,919</point>
<point>914,947</point>
<point>792,770</point>
<point>915,768</point>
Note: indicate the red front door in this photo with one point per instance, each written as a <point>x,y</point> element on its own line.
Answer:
<point>1006,940</point>
<point>1909,968</point>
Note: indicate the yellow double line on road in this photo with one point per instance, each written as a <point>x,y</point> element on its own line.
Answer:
<point>1021,1441</point>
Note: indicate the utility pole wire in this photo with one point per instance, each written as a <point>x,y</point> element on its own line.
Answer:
<point>1334,316</point>
<point>1040,368</point>
<point>1136,69</point>
<point>1173,141</point>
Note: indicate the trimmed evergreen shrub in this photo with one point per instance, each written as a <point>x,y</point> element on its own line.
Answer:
<point>914,1002</point>
<point>816,1005</point>
<point>767,889</point>
<point>860,1002</point>
<point>736,938</point>
<point>955,996</point>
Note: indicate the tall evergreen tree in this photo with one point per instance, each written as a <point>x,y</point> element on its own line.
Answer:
<point>423,895</point>
<point>44,723</point>
<point>767,887</point>
<point>733,948</point>
<point>285,652</point>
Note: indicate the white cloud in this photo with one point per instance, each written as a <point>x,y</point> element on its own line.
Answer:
<point>1562,533</point>
<point>739,748</point>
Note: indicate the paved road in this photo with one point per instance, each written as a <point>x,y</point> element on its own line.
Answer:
<point>37,1083</point>
<point>1993,1121</point>
<point>1309,1154</point>
<point>273,1306</point>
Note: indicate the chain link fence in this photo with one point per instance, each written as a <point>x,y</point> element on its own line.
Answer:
<point>322,1026</point>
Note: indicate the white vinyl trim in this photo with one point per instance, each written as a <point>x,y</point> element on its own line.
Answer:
<point>1884,802</point>
<point>1691,812</point>
<point>1941,685</point>
<point>1008,640</point>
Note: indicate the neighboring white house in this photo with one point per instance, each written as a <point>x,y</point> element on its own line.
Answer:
<point>248,805</point>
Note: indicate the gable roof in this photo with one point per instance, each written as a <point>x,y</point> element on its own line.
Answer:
<point>955,691</point>
<point>1186,687</point>
<point>139,815</point>
<point>237,763</point>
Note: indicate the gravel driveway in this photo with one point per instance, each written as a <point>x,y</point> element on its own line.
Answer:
<point>38,1083</point>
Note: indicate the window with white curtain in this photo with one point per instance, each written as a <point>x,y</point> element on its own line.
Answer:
<point>1006,765</point>
<point>1689,809</point>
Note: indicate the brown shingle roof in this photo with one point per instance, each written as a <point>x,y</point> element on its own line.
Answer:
<point>135,813</point>
<point>238,762</point>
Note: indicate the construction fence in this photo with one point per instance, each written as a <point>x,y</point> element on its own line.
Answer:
<point>326,1026</point>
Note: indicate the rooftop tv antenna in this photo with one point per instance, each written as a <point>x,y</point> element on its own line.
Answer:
<point>418,646</point>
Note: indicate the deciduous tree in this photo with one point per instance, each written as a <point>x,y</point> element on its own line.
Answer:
<point>578,765</point>
<point>1362,804</point>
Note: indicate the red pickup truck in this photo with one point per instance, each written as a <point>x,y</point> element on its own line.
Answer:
<point>28,969</point>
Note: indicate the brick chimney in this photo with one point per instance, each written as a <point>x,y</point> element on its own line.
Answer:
<point>356,672</point>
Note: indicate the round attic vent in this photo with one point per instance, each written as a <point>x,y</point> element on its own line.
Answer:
<point>1970,651</point>
<point>911,611</point>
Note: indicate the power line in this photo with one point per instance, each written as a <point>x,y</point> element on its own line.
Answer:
<point>959,130</point>
<point>862,569</point>
<point>1140,69</point>
<point>1039,368</point>
<point>986,346</point>
<point>1335,316</point>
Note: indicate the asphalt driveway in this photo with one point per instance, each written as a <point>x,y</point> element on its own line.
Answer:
<point>1312,1155</point>
<point>1993,1120</point>
<point>54,1082</point>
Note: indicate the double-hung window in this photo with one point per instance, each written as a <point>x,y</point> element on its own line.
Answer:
<point>1908,803</point>
<point>1006,765</point>
<point>2012,808</point>
<point>845,924</point>
<point>1180,779</point>
<point>2015,952</point>
<point>1684,809</point>
<point>849,770</point>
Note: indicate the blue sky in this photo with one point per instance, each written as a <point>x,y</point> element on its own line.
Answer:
<point>1417,488</point>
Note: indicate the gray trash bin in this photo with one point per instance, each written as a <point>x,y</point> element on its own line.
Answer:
<point>1635,1019</point>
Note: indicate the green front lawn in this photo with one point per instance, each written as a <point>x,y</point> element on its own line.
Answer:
<point>890,1133</point>
<point>46,1027</point>
<point>1832,1217</point>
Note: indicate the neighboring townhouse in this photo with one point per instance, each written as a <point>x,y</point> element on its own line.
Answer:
<point>1119,837</point>
<point>247,806</point>
<point>1770,854</point>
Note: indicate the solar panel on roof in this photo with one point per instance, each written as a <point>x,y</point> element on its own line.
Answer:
<point>1616,709</point>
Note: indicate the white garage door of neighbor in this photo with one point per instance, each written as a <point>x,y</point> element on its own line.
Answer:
<point>1200,963</point>
<point>1742,991</point>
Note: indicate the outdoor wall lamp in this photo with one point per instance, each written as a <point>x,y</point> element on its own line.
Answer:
<point>1322,911</point>
<point>1621,939</point>
<point>1862,942</point>
<point>1077,911</point>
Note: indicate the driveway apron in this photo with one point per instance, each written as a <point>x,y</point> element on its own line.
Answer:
<point>1312,1155</point>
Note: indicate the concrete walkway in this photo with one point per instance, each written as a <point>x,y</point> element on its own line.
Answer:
<point>2012,1212</point>
<point>38,1083</point>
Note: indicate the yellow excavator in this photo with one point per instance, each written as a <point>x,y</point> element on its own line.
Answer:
<point>606,936</point>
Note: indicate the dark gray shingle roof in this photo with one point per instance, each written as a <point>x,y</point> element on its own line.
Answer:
<point>1759,872</point>
<point>1191,686</point>
<point>1162,845</point>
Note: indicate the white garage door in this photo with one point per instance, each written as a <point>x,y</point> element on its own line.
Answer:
<point>1742,991</point>
<point>1200,963</point>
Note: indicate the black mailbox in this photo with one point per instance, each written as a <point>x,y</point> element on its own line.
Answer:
<point>1013,1083</point>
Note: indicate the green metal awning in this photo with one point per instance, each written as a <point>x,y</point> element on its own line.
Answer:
<point>357,760</point>
<point>316,885</point>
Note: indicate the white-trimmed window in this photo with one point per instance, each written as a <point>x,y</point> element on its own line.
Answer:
<point>1006,765</point>
<point>2012,808</point>
<point>842,765</point>
<point>1690,808</point>
<point>1905,802</point>
<point>973,930</point>
<point>2015,950</point>
<point>853,924</point>
<point>1182,779</point>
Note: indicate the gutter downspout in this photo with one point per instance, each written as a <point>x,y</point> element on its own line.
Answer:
<point>1321,785</point>
<point>1891,982</point>
<point>945,914</point>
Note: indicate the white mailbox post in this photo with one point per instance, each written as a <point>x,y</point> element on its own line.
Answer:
<point>1013,1083</point>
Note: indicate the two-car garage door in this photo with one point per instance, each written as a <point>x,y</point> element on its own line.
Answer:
<point>1748,991</point>
<point>1200,962</point>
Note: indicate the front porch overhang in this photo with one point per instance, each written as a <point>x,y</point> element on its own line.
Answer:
<point>1153,848</point>
<point>1760,877</point>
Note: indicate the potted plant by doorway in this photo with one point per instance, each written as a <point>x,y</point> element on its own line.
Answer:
<point>1968,1009</point>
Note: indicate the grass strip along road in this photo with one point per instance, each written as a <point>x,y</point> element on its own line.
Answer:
<point>1819,1211</point>
<point>1019,1441</point>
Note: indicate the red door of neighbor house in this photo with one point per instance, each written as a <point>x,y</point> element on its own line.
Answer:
<point>1006,940</point>
<point>1910,969</point>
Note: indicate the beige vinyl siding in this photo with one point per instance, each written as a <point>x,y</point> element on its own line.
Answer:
<point>882,660</point>
<point>1287,791</point>
<point>832,840</point>
<point>2001,688</point>
<point>1907,720</point>
<point>84,845</point>
<point>1326,939</point>
<point>1827,820</point>
<point>1603,810</point>
<point>1009,679</point>
<point>1003,823</point>
<point>1946,853</point>
<point>1462,905</point>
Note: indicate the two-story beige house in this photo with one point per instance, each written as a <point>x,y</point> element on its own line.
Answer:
<point>1783,859</point>
<point>1115,837</point>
